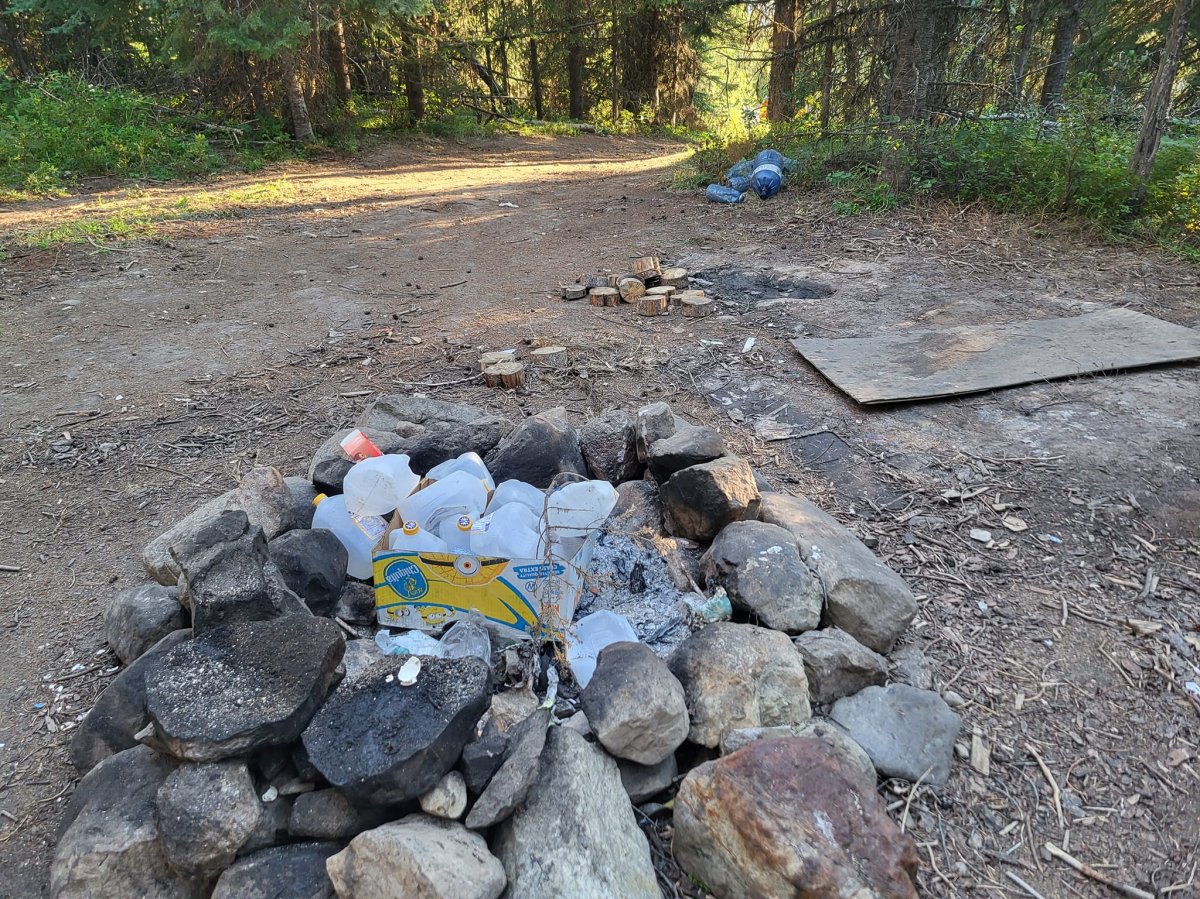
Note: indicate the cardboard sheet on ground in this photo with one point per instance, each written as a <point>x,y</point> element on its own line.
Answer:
<point>919,365</point>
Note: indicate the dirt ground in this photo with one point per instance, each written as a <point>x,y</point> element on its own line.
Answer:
<point>138,381</point>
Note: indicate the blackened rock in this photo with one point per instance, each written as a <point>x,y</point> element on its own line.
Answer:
<point>535,452</point>
<point>760,568</point>
<point>482,758</point>
<point>653,423</point>
<point>139,617</point>
<point>386,441</point>
<point>284,872</point>
<point>638,510</point>
<point>683,449</point>
<point>328,476</point>
<point>436,446</point>
<point>644,782</point>
<point>272,827</point>
<point>328,815</point>
<point>242,687</point>
<point>303,494</point>
<point>356,605</point>
<point>110,848</point>
<point>206,813</point>
<point>226,575</point>
<point>699,501</point>
<point>837,665</point>
<point>634,704</point>
<point>609,447</point>
<point>380,742</point>
<point>313,565</point>
<point>511,783</point>
<point>120,712</point>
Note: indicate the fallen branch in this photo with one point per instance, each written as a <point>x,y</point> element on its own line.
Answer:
<point>1088,871</point>
<point>1053,785</point>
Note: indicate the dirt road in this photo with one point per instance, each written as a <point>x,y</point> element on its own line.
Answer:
<point>137,381</point>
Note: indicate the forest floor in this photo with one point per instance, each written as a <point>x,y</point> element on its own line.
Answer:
<point>246,336</point>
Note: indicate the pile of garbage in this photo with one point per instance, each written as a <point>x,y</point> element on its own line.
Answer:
<point>764,175</point>
<point>454,658</point>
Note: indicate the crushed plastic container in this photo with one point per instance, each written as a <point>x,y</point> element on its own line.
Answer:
<point>415,643</point>
<point>459,493</point>
<point>357,533</point>
<point>511,531</point>
<point>766,179</point>
<point>718,193</point>
<point>467,637</point>
<point>410,537</point>
<point>575,510</point>
<point>590,634</point>
<point>378,484</point>
<point>468,462</point>
<point>513,491</point>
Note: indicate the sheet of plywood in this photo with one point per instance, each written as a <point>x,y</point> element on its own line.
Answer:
<point>918,365</point>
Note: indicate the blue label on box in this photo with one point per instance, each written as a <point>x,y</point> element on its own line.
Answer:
<point>406,579</point>
<point>532,572</point>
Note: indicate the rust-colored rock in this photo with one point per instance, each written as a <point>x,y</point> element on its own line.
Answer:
<point>787,818</point>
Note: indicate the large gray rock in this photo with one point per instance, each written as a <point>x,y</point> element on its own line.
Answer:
<point>139,617</point>
<point>699,501</point>
<point>760,568</point>
<point>739,675</point>
<point>638,510</point>
<point>242,687</point>
<point>331,449</point>
<point>683,449</point>
<point>303,494</point>
<point>284,872</point>
<point>652,423</point>
<point>120,712</point>
<point>575,835</point>
<point>206,813</point>
<point>380,742</point>
<point>272,827</point>
<point>329,476</point>
<point>837,665</point>
<point>436,446</point>
<point>644,782</point>
<point>387,413</point>
<point>327,815</point>
<point>863,596</point>
<point>635,705</point>
<point>858,763</point>
<point>110,847</point>
<point>610,448</point>
<point>511,783</point>
<point>313,565</point>
<point>226,575</point>
<point>787,818</point>
<point>537,450</point>
<point>908,733</point>
<point>909,665</point>
<point>417,857</point>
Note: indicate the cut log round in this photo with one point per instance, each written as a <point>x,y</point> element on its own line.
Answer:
<point>509,375</point>
<point>652,305</point>
<point>696,307</point>
<point>632,289</point>
<point>645,266</point>
<point>679,296</point>
<point>574,291</point>
<point>675,277</point>
<point>614,280</point>
<point>596,281</point>
<point>495,357</point>
<point>553,357</point>
<point>604,296</point>
<point>661,291</point>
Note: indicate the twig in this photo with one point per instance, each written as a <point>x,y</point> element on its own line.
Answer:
<point>1023,885</point>
<point>1053,785</point>
<point>1087,871</point>
<point>474,377</point>
<point>455,284</point>
<point>11,568</point>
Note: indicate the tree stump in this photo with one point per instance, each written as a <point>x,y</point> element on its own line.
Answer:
<point>652,304</point>
<point>679,296</point>
<point>574,291</point>
<point>661,291</point>
<point>495,357</point>
<point>675,277</point>
<point>552,357</point>
<point>632,289</point>
<point>509,375</point>
<point>696,307</point>
<point>604,296</point>
<point>645,267</point>
<point>614,280</point>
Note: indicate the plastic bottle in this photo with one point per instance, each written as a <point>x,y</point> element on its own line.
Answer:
<point>587,636</point>
<point>456,532</point>
<point>459,493</point>
<point>467,637</point>
<point>574,511</point>
<point>468,462</point>
<point>514,491</point>
<point>719,193</point>
<point>358,534</point>
<point>510,532</point>
<point>767,177</point>
<point>410,538</point>
<point>378,484</point>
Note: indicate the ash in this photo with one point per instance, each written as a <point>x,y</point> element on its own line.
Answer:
<point>629,577</point>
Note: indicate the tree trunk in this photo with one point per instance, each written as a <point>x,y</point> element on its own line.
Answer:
<point>414,77</point>
<point>339,58</point>
<point>908,85</point>
<point>22,66</point>
<point>783,62</point>
<point>575,60</point>
<point>827,72</point>
<point>301,124</point>
<point>616,84</point>
<point>1031,13</point>
<point>1065,30</point>
<point>945,33</point>
<point>535,73</point>
<point>1158,103</point>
